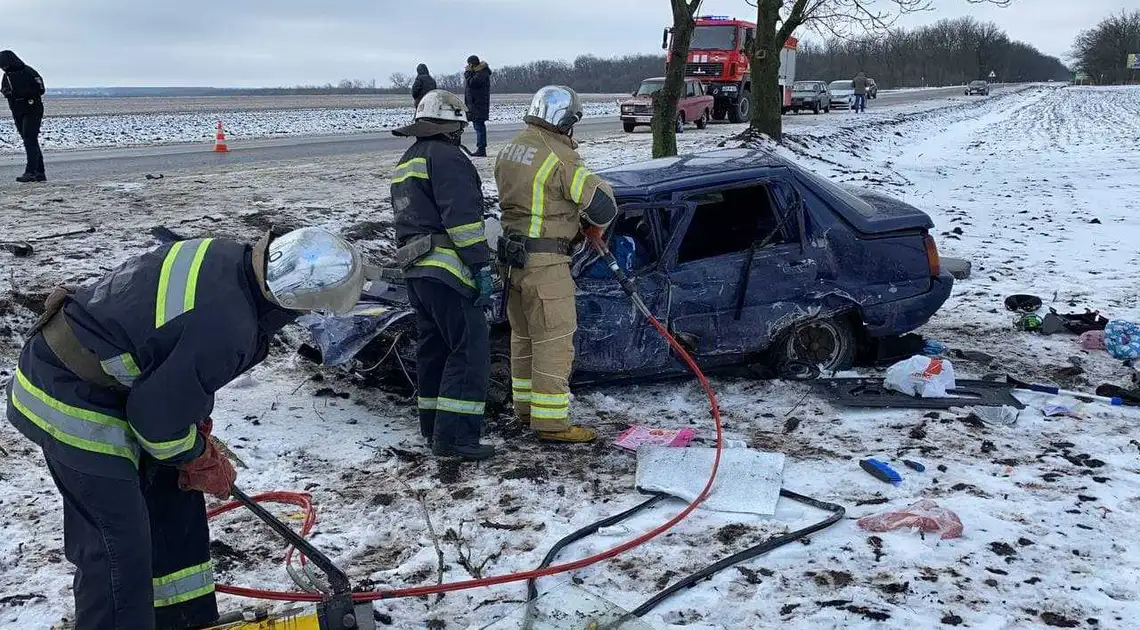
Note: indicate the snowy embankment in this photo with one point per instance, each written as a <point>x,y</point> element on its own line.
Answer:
<point>1050,505</point>
<point>124,130</point>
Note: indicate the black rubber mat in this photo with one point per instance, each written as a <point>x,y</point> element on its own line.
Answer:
<point>869,392</point>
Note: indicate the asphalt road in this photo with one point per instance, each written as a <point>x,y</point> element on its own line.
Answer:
<point>113,163</point>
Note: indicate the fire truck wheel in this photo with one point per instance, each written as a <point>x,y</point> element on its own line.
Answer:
<point>739,112</point>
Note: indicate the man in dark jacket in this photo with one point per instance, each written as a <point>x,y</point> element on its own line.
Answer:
<point>24,89</point>
<point>859,85</point>
<point>477,95</point>
<point>438,203</point>
<point>423,84</point>
<point>116,384</point>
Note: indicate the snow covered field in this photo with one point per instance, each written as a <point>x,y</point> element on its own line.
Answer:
<point>1038,187</point>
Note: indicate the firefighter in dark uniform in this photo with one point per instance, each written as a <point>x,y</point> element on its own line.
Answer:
<point>438,203</point>
<point>549,198</point>
<point>116,384</point>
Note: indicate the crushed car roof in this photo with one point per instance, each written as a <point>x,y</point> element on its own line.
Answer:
<point>684,171</point>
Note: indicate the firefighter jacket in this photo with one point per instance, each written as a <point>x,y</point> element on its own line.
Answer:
<point>436,191</point>
<point>545,187</point>
<point>172,326</point>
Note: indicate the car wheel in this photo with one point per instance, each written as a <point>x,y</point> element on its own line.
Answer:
<point>680,122</point>
<point>815,108</point>
<point>703,121</point>
<point>629,127</point>
<point>739,113</point>
<point>828,343</point>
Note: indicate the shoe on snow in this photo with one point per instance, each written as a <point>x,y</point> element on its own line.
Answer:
<point>27,177</point>
<point>574,435</point>
<point>473,452</point>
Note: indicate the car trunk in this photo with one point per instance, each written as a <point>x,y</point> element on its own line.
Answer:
<point>888,214</point>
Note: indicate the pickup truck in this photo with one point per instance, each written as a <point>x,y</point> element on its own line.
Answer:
<point>694,107</point>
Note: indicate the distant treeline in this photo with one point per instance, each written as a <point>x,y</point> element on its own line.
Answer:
<point>949,52</point>
<point>1102,52</point>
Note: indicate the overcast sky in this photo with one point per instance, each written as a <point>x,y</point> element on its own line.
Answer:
<point>77,43</point>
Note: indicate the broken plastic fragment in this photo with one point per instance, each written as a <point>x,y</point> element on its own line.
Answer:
<point>926,515</point>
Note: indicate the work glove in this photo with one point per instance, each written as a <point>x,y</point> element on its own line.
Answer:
<point>205,427</point>
<point>594,233</point>
<point>210,472</point>
<point>485,285</point>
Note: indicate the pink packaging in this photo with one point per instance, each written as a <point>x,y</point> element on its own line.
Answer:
<point>640,435</point>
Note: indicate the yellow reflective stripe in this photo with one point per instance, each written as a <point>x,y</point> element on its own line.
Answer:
<point>185,585</point>
<point>550,400</point>
<point>178,280</point>
<point>580,175</point>
<point>415,167</point>
<point>538,195</point>
<point>428,403</point>
<point>549,414</point>
<point>173,448</point>
<point>448,260</point>
<point>78,428</point>
<point>521,383</point>
<point>520,389</point>
<point>122,368</point>
<point>467,235</point>
<point>468,407</point>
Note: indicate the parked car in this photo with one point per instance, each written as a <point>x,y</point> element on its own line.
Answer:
<point>842,93</point>
<point>978,87</point>
<point>872,88</point>
<point>694,107</point>
<point>810,95</point>
<point>749,259</point>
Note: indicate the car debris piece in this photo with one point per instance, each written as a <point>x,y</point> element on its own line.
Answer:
<point>19,249</point>
<point>881,471</point>
<point>958,267</point>
<point>870,393</point>
<point>748,481</point>
<point>925,515</point>
<point>640,435</point>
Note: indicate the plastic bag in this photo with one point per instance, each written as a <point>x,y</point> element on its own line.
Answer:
<point>925,515</point>
<point>921,376</point>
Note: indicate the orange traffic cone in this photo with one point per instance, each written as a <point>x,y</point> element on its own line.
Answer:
<point>220,140</point>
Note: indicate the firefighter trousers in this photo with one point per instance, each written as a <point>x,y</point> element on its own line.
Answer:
<point>453,363</point>
<point>141,550</point>
<point>543,319</point>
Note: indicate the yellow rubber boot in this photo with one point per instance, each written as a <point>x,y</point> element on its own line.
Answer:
<point>573,435</point>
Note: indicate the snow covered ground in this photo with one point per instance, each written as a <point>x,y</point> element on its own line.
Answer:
<point>1038,187</point>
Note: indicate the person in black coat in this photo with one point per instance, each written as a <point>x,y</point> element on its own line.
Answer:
<point>477,95</point>
<point>423,84</point>
<point>24,89</point>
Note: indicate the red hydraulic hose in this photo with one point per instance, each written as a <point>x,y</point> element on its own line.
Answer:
<point>302,500</point>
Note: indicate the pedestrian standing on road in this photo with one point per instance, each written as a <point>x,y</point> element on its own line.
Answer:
<point>24,89</point>
<point>859,83</point>
<point>423,84</point>
<point>477,95</point>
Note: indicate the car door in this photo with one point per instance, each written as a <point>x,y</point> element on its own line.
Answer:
<point>689,101</point>
<point>729,298</point>
<point>613,337</point>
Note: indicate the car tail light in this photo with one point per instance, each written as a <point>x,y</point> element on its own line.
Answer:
<point>932,256</point>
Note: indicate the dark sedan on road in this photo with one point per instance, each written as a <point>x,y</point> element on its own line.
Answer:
<point>747,258</point>
<point>978,87</point>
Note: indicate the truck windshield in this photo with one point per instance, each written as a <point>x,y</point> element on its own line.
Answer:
<point>714,38</point>
<point>649,87</point>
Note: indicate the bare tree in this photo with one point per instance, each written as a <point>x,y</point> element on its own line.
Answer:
<point>400,81</point>
<point>1101,52</point>
<point>665,100</point>
<point>778,20</point>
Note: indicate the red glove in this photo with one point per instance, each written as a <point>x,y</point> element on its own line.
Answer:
<point>211,473</point>
<point>205,427</point>
<point>594,233</point>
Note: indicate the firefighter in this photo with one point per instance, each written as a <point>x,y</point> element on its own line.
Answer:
<point>546,193</point>
<point>116,384</point>
<point>438,203</point>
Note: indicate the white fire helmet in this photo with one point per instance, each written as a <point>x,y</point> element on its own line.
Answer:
<point>312,269</point>
<point>443,106</point>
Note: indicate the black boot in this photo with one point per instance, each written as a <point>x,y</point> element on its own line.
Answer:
<point>27,177</point>
<point>472,452</point>
<point>479,153</point>
<point>40,177</point>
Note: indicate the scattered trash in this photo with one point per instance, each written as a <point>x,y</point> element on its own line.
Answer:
<point>925,515</point>
<point>159,176</point>
<point>913,465</point>
<point>1022,303</point>
<point>934,348</point>
<point>1093,340</point>
<point>1127,396</point>
<point>748,481</point>
<point>957,267</point>
<point>1063,406</point>
<point>640,435</point>
<point>881,471</point>
<point>1004,415</point>
<point>872,393</point>
<point>19,249</point>
<point>1051,389</point>
<point>921,376</point>
<point>1122,339</point>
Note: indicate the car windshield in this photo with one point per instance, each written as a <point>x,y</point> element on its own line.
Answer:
<point>650,87</point>
<point>714,38</point>
<point>803,86</point>
<point>977,83</point>
<point>841,85</point>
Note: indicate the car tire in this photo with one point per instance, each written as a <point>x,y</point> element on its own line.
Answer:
<point>829,343</point>
<point>680,122</point>
<point>703,121</point>
<point>815,109</point>
<point>739,112</point>
<point>628,127</point>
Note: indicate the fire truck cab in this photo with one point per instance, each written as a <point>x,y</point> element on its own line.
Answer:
<point>718,59</point>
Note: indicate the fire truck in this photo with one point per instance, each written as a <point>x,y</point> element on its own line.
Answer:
<point>717,59</point>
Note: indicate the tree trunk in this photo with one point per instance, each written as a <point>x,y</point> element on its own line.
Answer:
<point>665,100</point>
<point>768,102</point>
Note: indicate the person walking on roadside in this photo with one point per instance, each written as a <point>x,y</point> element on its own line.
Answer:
<point>423,84</point>
<point>116,385</point>
<point>477,95</point>
<point>437,200</point>
<point>859,84</point>
<point>549,199</point>
<point>24,89</point>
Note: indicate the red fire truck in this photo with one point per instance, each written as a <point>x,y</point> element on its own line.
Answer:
<point>718,60</point>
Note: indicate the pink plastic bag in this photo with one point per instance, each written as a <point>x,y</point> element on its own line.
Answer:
<point>641,435</point>
<point>924,515</point>
<point>1093,340</point>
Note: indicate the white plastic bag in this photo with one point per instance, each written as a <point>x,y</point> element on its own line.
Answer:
<point>921,376</point>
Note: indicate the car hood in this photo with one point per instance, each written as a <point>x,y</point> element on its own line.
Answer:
<point>886,213</point>
<point>805,93</point>
<point>841,93</point>
<point>640,100</point>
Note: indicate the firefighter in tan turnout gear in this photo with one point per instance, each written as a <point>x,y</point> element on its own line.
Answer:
<point>546,194</point>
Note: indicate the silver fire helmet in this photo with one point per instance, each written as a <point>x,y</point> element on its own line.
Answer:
<point>312,269</point>
<point>557,106</point>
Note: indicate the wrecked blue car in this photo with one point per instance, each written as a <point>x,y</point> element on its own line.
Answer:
<point>748,258</point>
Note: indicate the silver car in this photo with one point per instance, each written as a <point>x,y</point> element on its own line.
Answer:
<point>842,93</point>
